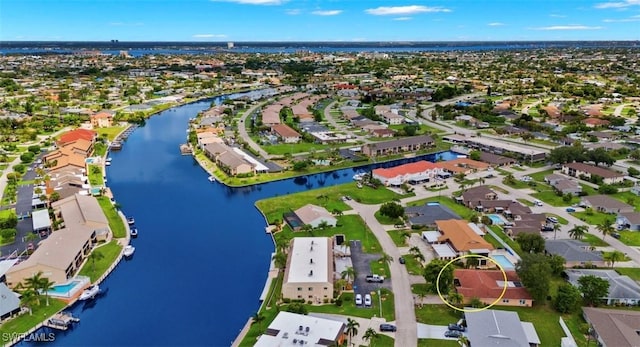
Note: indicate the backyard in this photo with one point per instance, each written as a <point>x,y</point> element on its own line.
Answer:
<point>23,323</point>
<point>115,222</point>
<point>459,209</point>
<point>94,269</point>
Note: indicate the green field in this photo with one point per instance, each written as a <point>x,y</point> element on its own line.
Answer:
<point>110,132</point>
<point>594,240</point>
<point>23,323</point>
<point>634,273</point>
<point>95,175</point>
<point>594,217</point>
<point>459,209</point>
<point>630,238</point>
<point>349,307</point>
<point>110,252</point>
<point>115,222</point>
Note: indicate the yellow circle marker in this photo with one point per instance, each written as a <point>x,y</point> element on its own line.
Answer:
<point>504,289</point>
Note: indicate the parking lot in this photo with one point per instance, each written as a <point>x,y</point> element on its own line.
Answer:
<point>361,262</point>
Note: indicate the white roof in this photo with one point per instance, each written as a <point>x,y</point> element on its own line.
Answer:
<point>431,236</point>
<point>309,257</point>
<point>444,250</point>
<point>5,265</point>
<point>531,333</point>
<point>476,229</point>
<point>40,219</point>
<point>286,327</point>
<point>252,160</point>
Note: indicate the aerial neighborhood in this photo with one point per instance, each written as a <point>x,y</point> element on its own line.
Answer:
<point>485,198</point>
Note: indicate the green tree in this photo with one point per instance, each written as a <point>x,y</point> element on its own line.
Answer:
<point>257,319</point>
<point>28,299</point>
<point>280,260</point>
<point>96,255</point>
<point>475,155</point>
<point>577,232</point>
<point>45,286</point>
<point>613,257</point>
<point>531,243</point>
<point>593,289</point>
<point>455,298</point>
<point>385,258</point>
<point>431,272</point>
<point>606,228</point>
<point>370,335</point>
<point>352,328</point>
<point>568,298</point>
<point>34,283</point>
<point>557,264</point>
<point>392,210</point>
<point>535,272</point>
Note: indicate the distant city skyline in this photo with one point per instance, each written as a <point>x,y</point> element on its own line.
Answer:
<point>318,20</point>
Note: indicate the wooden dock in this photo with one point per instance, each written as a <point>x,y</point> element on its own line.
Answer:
<point>185,149</point>
<point>61,321</point>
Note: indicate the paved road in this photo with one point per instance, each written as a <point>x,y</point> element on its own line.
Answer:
<point>242,130</point>
<point>406,335</point>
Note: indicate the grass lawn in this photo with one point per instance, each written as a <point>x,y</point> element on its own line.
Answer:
<point>437,342</point>
<point>352,226</point>
<point>539,176</point>
<point>115,222</point>
<point>95,175</point>
<point>525,202</point>
<point>437,314</point>
<point>628,198</point>
<point>594,240</point>
<point>380,268</point>
<point>630,238</point>
<point>548,195</point>
<point>420,288</point>
<point>349,307</point>
<point>492,240</point>
<point>560,219</point>
<point>397,237</point>
<point>517,184</point>
<point>25,322</point>
<point>382,340</point>
<point>413,265</point>
<point>594,217</point>
<point>111,132</point>
<point>514,245</point>
<point>281,149</point>
<point>7,213</point>
<point>386,220</point>
<point>109,252</point>
<point>459,209</point>
<point>634,273</point>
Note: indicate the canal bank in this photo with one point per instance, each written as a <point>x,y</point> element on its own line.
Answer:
<point>202,254</point>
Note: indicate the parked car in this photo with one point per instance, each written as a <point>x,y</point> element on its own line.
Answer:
<point>553,220</point>
<point>615,235</point>
<point>358,299</point>
<point>457,327</point>
<point>375,279</point>
<point>453,333</point>
<point>401,260</point>
<point>367,300</point>
<point>571,209</point>
<point>387,327</point>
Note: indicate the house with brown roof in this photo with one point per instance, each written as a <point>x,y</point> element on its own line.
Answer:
<point>461,238</point>
<point>462,165</point>
<point>606,204</point>
<point>582,170</point>
<point>102,119</point>
<point>489,285</point>
<point>596,122</point>
<point>228,160</point>
<point>271,115</point>
<point>408,144</point>
<point>315,215</point>
<point>474,196</point>
<point>286,133</point>
<point>615,328</point>
<point>496,160</point>
<point>64,159</point>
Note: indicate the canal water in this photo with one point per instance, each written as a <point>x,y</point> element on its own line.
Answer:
<point>202,254</point>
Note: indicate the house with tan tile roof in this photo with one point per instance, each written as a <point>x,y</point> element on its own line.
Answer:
<point>462,165</point>
<point>616,328</point>
<point>314,215</point>
<point>102,119</point>
<point>462,239</point>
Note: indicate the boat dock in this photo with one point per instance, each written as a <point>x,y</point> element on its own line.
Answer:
<point>185,149</point>
<point>116,144</point>
<point>61,321</point>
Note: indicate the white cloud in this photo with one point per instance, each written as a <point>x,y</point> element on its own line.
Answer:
<point>209,36</point>
<point>623,20</point>
<point>404,10</point>
<point>254,2</point>
<point>326,12</point>
<point>495,24</point>
<point>292,12</point>
<point>553,15</point>
<point>618,4</point>
<point>568,27</point>
<point>402,18</point>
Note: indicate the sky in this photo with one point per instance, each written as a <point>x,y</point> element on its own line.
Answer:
<point>318,20</point>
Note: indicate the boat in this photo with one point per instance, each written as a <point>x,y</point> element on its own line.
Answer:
<point>90,292</point>
<point>107,163</point>
<point>128,251</point>
<point>130,220</point>
<point>359,176</point>
<point>134,232</point>
<point>212,179</point>
<point>108,160</point>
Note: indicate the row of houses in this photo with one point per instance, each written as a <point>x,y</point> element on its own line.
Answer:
<point>425,171</point>
<point>497,147</point>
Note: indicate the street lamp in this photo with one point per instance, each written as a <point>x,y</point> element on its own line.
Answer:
<point>380,300</point>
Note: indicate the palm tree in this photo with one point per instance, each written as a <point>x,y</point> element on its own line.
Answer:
<point>283,244</point>
<point>385,258</point>
<point>30,237</point>
<point>463,341</point>
<point>33,283</point>
<point>556,227</point>
<point>414,250</point>
<point>46,285</point>
<point>613,257</point>
<point>455,298</point>
<point>406,236</point>
<point>509,179</point>
<point>95,256</point>
<point>578,231</point>
<point>28,299</point>
<point>605,228</point>
<point>258,318</point>
<point>369,335</point>
<point>308,228</point>
<point>421,295</point>
<point>352,328</point>
<point>280,260</point>
<point>349,274</point>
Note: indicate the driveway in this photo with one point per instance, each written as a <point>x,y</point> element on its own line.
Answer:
<point>25,195</point>
<point>361,262</point>
<point>427,331</point>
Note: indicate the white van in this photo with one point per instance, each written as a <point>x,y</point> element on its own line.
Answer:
<point>358,299</point>
<point>538,203</point>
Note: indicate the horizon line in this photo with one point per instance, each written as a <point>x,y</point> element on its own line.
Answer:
<point>314,41</point>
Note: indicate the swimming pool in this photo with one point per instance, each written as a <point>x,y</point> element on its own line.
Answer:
<point>91,160</point>
<point>503,261</point>
<point>65,290</point>
<point>497,220</point>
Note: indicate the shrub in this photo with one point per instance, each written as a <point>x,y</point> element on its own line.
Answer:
<point>20,168</point>
<point>35,149</point>
<point>338,302</point>
<point>26,157</point>
<point>8,234</point>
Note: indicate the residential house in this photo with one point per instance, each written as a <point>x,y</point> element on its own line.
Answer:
<point>315,215</point>
<point>207,137</point>
<point>302,330</point>
<point>392,118</point>
<point>496,160</point>
<point>462,239</point>
<point>409,144</point>
<point>271,115</point>
<point>629,220</point>
<point>474,196</point>
<point>499,328</point>
<point>622,289</point>
<point>613,328</point>
<point>80,133</point>
<point>428,214</point>
<point>563,184</point>
<point>489,287</point>
<point>420,171</point>
<point>495,146</point>
<point>528,223</point>
<point>9,302</point>
<point>595,122</point>
<point>309,271</point>
<point>585,170</point>
<point>382,132</point>
<point>228,160</point>
<point>606,204</point>
<point>103,119</point>
<point>285,133</point>
<point>64,159</point>
<point>462,165</point>
<point>575,252</point>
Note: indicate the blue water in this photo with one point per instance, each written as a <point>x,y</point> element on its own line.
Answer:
<point>496,219</point>
<point>503,261</point>
<point>202,258</point>
<point>63,289</point>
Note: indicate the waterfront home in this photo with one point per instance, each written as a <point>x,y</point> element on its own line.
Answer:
<point>420,171</point>
<point>618,328</point>
<point>102,119</point>
<point>315,215</point>
<point>586,171</point>
<point>409,144</point>
<point>207,137</point>
<point>81,211</point>
<point>499,328</point>
<point>622,289</point>
<point>271,115</point>
<point>497,147</point>
<point>606,204</point>
<point>66,182</point>
<point>285,133</point>
<point>575,252</point>
<point>74,135</point>
<point>462,239</point>
<point>309,272</point>
<point>302,330</point>
<point>228,160</point>
<point>9,302</point>
<point>462,165</point>
<point>64,159</point>
<point>488,286</point>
